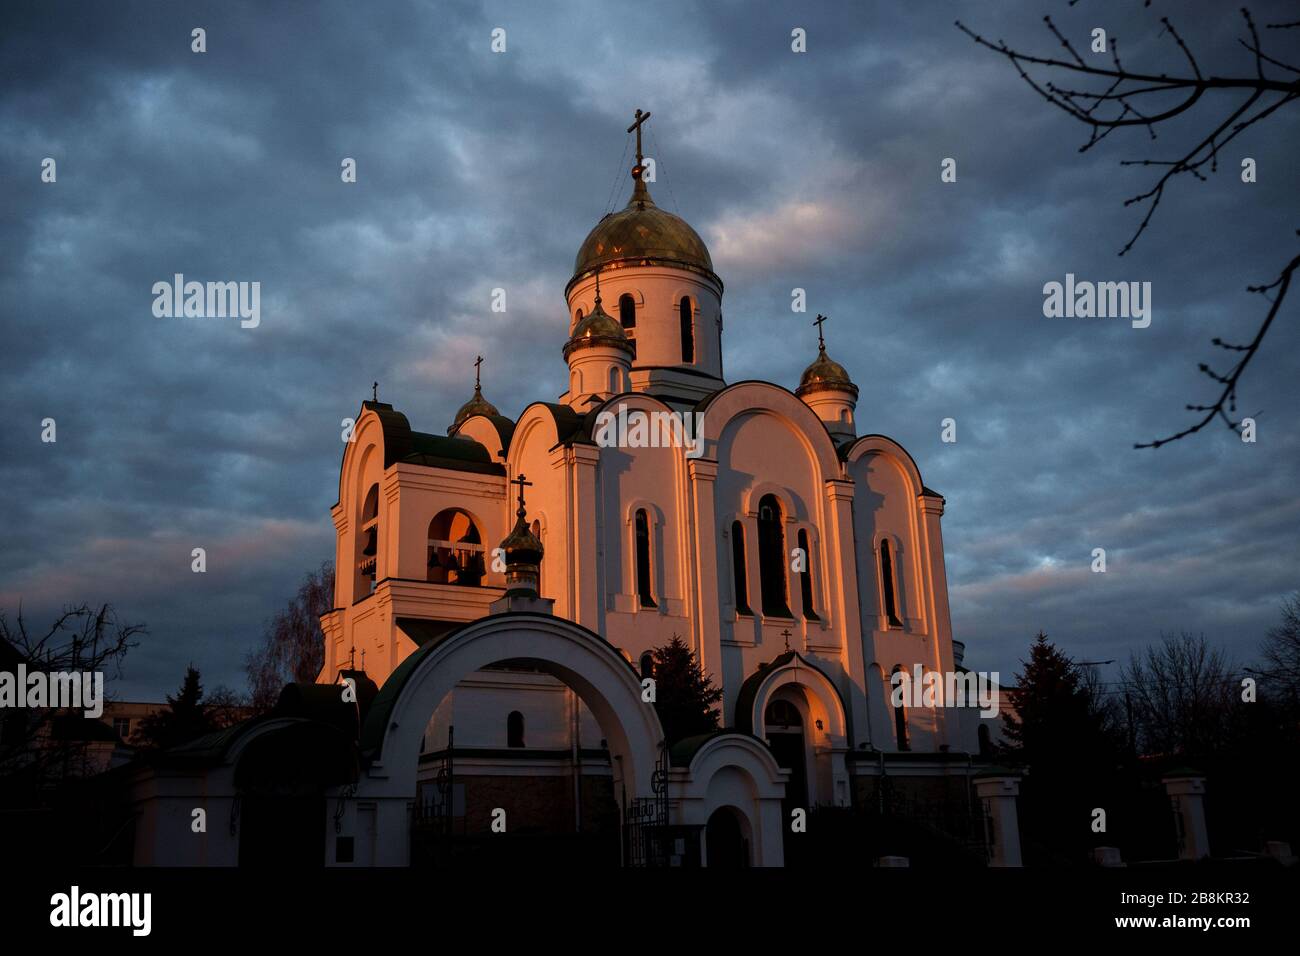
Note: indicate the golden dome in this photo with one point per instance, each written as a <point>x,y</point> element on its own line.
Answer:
<point>521,546</point>
<point>597,328</point>
<point>642,231</point>
<point>823,375</point>
<point>478,405</point>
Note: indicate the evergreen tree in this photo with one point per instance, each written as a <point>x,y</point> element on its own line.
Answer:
<point>684,694</point>
<point>1059,734</point>
<point>184,719</point>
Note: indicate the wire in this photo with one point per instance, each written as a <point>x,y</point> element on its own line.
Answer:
<point>654,144</point>
<point>609,203</point>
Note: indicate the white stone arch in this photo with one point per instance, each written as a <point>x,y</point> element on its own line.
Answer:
<point>738,771</point>
<point>825,718</point>
<point>584,661</point>
<point>824,699</point>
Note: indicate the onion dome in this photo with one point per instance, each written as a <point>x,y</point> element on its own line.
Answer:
<point>523,549</point>
<point>642,231</point>
<point>597,328</point>
<point>824,374</point>
<point>478,405</point>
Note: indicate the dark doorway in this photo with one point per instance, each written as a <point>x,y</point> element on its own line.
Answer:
<point>282,831</point>
<point>725,845</point>
<point>785,739</point>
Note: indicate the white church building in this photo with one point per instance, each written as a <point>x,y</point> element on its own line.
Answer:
<point>502,581</point>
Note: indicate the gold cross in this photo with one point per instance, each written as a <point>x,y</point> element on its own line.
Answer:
<point>821,342</point>
<point>636,125</point>
<point>522,482</point>
<point>477,362</point>
<point>375,391</point>
<point>787,635</point>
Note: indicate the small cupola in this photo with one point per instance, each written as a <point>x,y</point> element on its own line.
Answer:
<point>477,405</point>
<point>523,556</point>
<point>826,388</point>
<point>599,356</point>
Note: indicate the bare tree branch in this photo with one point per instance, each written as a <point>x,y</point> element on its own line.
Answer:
<point>1130,98</point>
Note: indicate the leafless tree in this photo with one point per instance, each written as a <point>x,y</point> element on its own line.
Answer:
<point>1108,98</point>
<point>1181,692</point>
<point>293,646</point>
<point>1281,650</point>
<point>81,639</point>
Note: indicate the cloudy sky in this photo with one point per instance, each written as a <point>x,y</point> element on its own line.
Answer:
<point>479,170</point>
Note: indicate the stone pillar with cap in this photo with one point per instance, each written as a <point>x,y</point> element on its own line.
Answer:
<point>997,789</point>
<point>1186,789</point>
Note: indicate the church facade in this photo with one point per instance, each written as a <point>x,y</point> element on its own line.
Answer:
<point>503,583</point>
<point>801,562</point>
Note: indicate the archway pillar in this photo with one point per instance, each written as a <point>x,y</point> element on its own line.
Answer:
<point>843,549</point>
<point>708,636</point>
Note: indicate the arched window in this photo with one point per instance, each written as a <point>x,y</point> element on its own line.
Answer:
<point>627,317</point>
<point>805,578</point>
<point>739,572</point>
<point>900,720</point>
<point>578,317</point>
<point>541,570</point>
<point>455,550</point>
<point>782,713</point>
<point>887,584</point>
<point>647,665</point>
<point>643,589</point>
<point>515,729</point>
<point>615,381</point>
<point>688,329</point>
<point>368,542</point>
<point>771,558</point>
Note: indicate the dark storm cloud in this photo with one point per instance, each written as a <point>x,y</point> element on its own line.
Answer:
<point>478,171</point>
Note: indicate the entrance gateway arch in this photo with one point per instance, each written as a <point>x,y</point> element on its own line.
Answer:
<point>376,813</point>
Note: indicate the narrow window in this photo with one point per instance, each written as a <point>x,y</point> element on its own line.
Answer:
<point>738,569</point>
<point>627,311</point>
<point>541,571</point>
<point>887,585</point>
<point>647,665</point>
<point>900,723</point>
<point>368,542</point>
<point>805,579</point>
<point>771,558</point>
<point>577,318</point>
<point>643,559</point>
<point>688,330</point>
<point>515,729</point>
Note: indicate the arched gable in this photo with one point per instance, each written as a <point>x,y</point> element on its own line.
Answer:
<point>747,398</point>
<point>791,668</point>
<point>896,453</point>
<point>380,427</point>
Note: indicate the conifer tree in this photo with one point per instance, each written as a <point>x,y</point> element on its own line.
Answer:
<point>684,694</point>
<point>184,719</point>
